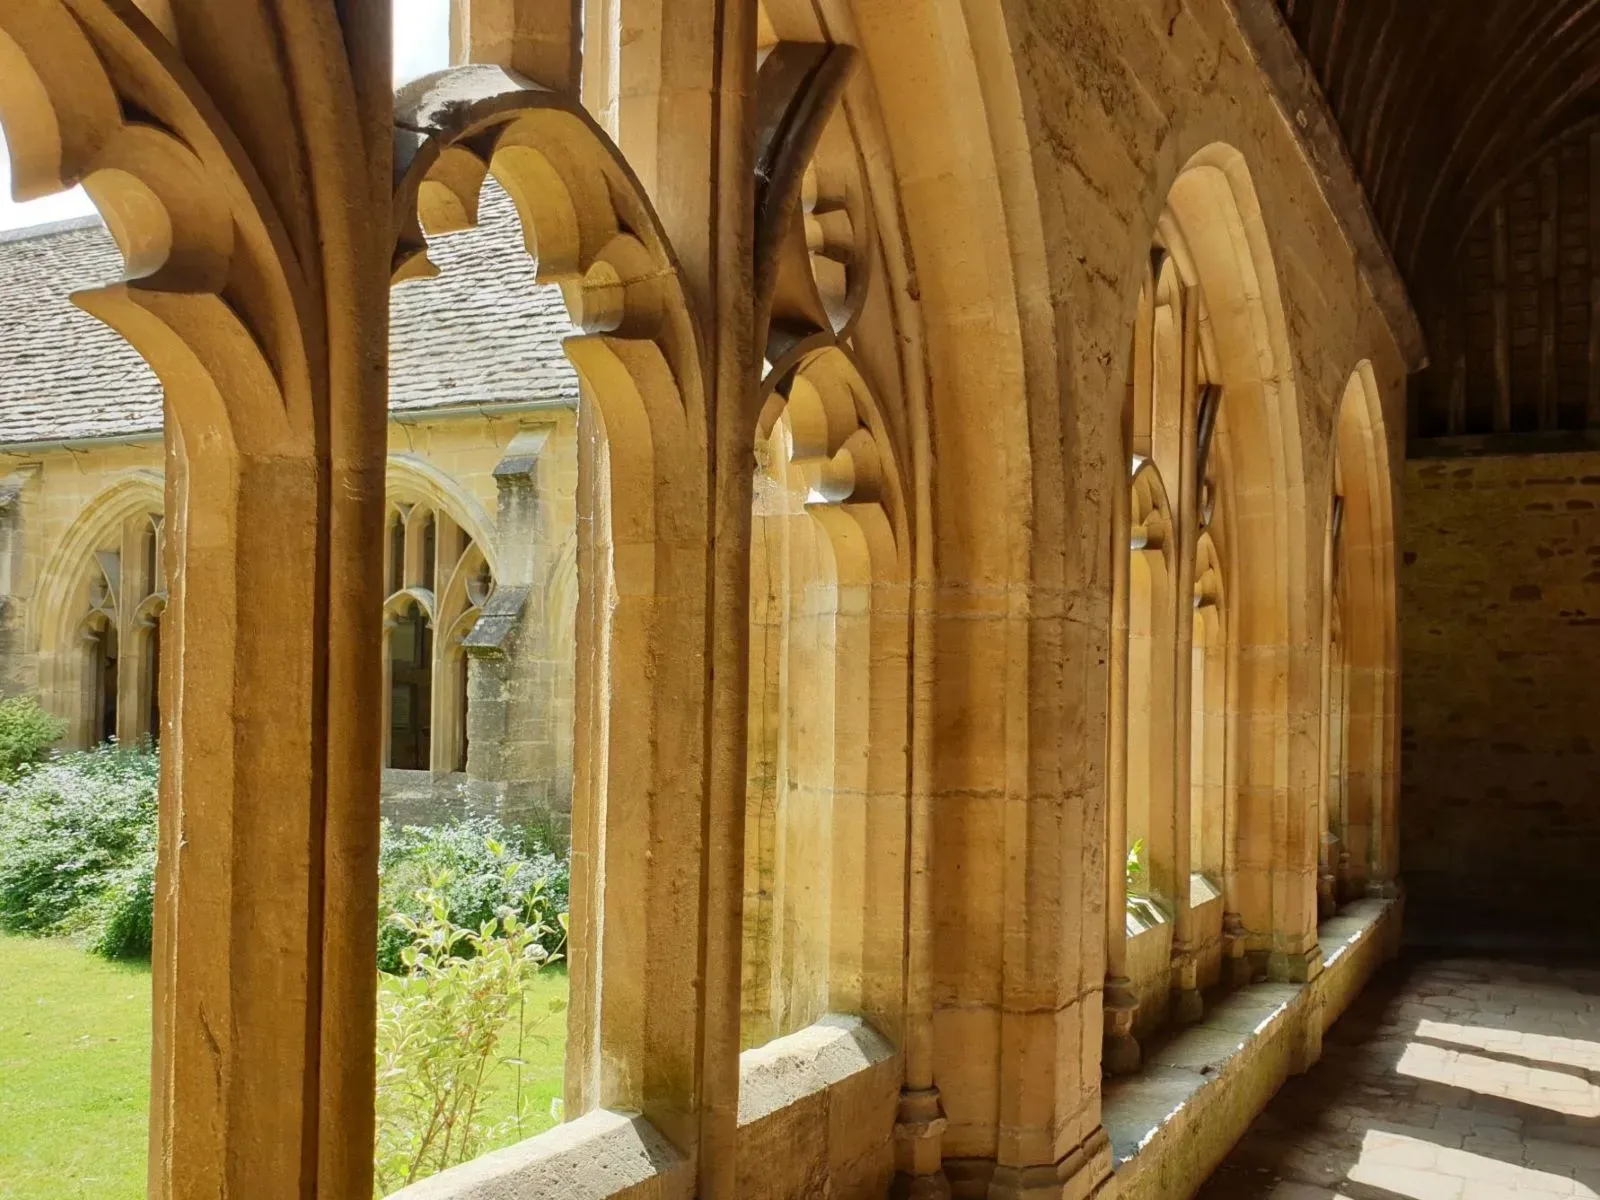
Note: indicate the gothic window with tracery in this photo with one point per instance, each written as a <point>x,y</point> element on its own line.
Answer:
<point>122,598</point>
<point>438,580</point>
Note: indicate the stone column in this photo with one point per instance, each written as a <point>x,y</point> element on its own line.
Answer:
<point>262,258</point>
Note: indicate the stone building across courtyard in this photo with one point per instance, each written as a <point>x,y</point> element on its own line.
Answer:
<point>480,549</point>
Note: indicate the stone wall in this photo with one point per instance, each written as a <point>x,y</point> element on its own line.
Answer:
<point>1500,625</point>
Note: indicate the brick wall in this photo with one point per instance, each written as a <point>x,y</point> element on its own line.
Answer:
<point>1500,644</point>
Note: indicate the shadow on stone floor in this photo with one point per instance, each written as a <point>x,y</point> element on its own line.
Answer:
<point>1459,1078</point>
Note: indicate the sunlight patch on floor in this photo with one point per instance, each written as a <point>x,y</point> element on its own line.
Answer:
<point>1539,1047</point>
<point>1555,1091</point>
<point>1423,1170</point>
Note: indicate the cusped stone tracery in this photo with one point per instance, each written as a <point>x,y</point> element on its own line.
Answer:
<point>585,219</point>
<point>814,225</point>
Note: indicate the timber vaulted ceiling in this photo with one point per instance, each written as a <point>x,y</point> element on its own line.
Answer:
<point>1468,123</point>
<point>1442,101</point>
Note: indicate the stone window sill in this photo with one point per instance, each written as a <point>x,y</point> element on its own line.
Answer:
<point>1145,914</point>
<point>1200,1088</point>
<point>600,1156</point>
<point>1202,891</point>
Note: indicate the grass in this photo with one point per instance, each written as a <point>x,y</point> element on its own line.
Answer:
<point>544,1050</point>
<point>75,1071</point>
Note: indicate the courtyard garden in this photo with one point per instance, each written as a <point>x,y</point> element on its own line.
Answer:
<point>472,987</point>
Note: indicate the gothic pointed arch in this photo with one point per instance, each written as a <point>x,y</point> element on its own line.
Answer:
<point>247,291</point>
<point>1214,229</point>
<point>439,574</point>
<point>102,594</point>
<point>1363,647</point>
<point>641,564</point>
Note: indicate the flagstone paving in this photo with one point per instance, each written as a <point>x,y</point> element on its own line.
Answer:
<point>1450,1079</point>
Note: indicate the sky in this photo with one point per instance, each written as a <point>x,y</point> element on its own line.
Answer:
<point>421,45</point>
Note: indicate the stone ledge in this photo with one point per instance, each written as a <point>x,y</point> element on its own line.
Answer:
<point>817,1111</point>
<point>1171,1124</point>
<point>600,1156</point>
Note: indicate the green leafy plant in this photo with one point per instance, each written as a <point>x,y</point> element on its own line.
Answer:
<point>459,1011</point>
<point>476,883</point>
<point>1138,873</point>
<point>27,733</point>
<point>77,848</point>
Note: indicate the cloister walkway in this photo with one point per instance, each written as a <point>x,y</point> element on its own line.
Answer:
<point>1450,1079</point>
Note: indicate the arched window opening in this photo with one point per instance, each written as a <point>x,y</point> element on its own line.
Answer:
<point>111,693</point>
<point>1208,722</point>
<point>793,751</point>
<point>437,568</point>
<point>825,761</point>
<point>430,552</point>
<point>1167,759</point>
<point>105,684</point>
<point>410,691</point>
<point>1360,736</point>
<point>1151,862</point>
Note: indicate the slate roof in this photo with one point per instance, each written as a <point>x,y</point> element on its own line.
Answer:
<point>483,332</point>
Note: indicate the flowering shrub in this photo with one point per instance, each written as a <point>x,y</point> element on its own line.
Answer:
<point>26,734</point>
<point>78,854</point>
<point>77,848</point>
<point>458,859</point>
<point>458,1009</point>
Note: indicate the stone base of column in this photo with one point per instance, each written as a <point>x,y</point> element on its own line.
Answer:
<point>1301,967</point>
<point>1384,889</point>
<point>1187,1005</point>
<point>1327,894</point>
<point>1236,968</point>
<point>1345,874</point>
<point>919,1147</point>
<point>1120,1053</point>
<point>920,1187</point>
<point>1079,1176</point>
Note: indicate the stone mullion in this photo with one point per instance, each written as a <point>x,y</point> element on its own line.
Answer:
<point>685,123</point>
<point>1327,900</point>
<point>1187,1005</point>
<point>1297,956</point>
<point>1120,1051</point>
<point>132,693</point>
<point>265,987</point>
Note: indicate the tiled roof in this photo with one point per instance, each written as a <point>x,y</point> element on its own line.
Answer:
<point>483,332</point>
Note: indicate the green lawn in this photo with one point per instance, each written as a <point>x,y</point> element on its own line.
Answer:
<point>74,1073</point>
<point>75,1067</point>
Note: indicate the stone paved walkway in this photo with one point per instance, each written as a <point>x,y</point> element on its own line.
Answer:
<point>1452,1079</point>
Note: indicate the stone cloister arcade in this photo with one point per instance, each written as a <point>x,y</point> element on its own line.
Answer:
<point>983,468</point>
